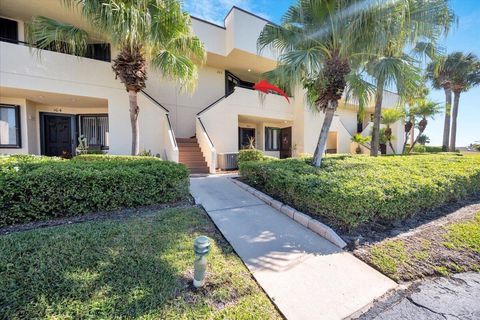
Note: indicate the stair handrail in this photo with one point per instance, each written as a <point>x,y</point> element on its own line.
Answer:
<point>173,140</point>
<point>155,101</point>
<point>214,103</point>
<point>206,134</point>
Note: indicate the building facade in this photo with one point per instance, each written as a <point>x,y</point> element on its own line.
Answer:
<point>48,99</point>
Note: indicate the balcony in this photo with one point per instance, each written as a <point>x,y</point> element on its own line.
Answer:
<point>95,51</point>
<point>22,67</point>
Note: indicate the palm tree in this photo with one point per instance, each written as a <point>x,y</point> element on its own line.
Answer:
<point>440,72</point>
<point>360,141</point>
<point>416,98</point>
<point>389,117</point>
<point>321,42</point>
<point>424,111</point>
<point>145,32</point>
<point>465,76</point>
<point>392,69</point>
<point>423,139</point>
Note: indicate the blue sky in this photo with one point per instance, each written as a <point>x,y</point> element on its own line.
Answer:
<point>464,37</point>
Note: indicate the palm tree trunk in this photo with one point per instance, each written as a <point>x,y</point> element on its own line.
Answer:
<point>391,146</point>
<point>456,101</point>
<point>420,132</point>
<point>446,125</point>
<point>412,131</point>
<point>322,140</point>
<point>377,118</point>
<point>134,110</point>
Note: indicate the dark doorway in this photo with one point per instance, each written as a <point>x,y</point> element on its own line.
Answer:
<point>244,136</point>
<point>58,134</point>
<point>232,81</point>
<point>286,143</point>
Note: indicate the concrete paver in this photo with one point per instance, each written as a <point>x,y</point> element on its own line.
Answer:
<point>306,276</point>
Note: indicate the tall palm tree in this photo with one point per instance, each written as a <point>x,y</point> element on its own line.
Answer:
<point>440,72</point>
<point>389,117</point>
<point>424,111</point>
<point>321,42</point>
<point>465,76</point>
<point>394,69</point>
<point>145,32</point>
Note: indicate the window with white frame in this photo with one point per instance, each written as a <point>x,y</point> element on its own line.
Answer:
<point>95,130</point>
<point>272,139</point>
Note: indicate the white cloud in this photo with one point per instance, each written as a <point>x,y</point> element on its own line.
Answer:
<point>215,10</point>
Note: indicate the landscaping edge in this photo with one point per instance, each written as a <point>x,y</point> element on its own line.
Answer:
<point>314,225</point>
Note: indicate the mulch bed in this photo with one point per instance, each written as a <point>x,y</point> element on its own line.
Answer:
<point>449,212</point>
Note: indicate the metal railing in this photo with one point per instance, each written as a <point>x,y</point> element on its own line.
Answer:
<point>26,44</point>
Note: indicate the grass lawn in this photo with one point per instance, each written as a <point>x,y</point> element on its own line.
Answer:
<point>443,250</point>
<point>139,267</point>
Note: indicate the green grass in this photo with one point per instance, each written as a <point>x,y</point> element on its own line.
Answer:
<point>389,256</point>
<point>464,236</point>
<point>135,268</point>
<point>438,251</point>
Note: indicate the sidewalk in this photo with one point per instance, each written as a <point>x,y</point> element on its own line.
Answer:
<point>305,275</point>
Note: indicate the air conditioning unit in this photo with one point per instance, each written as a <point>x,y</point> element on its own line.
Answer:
<point>227,161</point>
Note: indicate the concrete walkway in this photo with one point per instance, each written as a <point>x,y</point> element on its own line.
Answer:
<point>305,275</point>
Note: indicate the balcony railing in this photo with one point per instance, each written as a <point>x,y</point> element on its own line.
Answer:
<point>96,51</point>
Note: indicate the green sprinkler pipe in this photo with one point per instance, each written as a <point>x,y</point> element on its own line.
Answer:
<point>201,246</point>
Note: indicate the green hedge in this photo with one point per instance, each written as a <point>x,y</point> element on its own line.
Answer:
<point>350,191</point>
<point>429,149</point>
<point>36,188</point>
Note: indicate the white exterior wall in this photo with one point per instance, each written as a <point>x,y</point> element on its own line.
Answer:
<point>22,68</point>
<point>221,121</point>
<point>184,106</point>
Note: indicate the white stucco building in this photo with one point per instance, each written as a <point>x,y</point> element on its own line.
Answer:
<point>49,99</point>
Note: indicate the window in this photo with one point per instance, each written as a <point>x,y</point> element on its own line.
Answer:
<point>10,126</point>
<point>98,51</point>
<point>95,130</point>
<point>8,30</point>
<point>272,139</point>
<point>244,137</point>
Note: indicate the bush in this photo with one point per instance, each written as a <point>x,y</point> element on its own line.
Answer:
<point>36,188</point>
<point>429,149</point>
<point>251,155</point>
<point>350,191</point>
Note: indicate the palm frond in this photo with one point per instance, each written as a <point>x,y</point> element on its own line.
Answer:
<point>46,33</point>
<point>359,91</point>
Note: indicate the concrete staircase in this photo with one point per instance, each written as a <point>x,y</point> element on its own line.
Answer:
<point>191,155</point>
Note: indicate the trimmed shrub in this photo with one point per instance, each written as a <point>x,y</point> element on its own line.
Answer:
<point>428,149</point>
<point>351,191</point>
<point>37,188</point>
<point>251,155</point>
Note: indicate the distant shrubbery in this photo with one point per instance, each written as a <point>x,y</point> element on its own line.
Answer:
<point>251,155</point>
<point>428,149</point>
<point>35,188</point>
<point>349,191</point>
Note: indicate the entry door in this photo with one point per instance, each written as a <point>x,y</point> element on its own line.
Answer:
<point>286,143</point>
<point>57,135</point>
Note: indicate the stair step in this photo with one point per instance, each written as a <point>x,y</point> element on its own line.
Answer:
<point>199,170</point>
<point>187,144</point>
<point>186,140</point>
<point>191,159</point>
<point>195,164</point>
<point>189,148</point>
